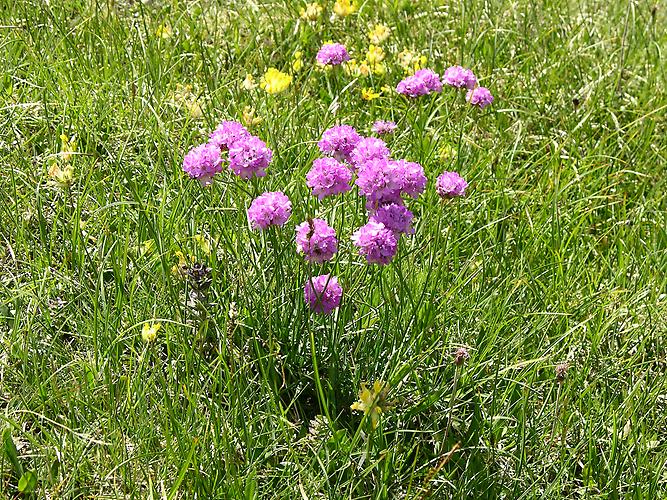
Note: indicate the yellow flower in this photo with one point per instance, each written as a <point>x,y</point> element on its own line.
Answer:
<point>61,177</point>
<point>364,68</point>
<point>297,60</point>
<point>147,247</point>
<point>447,152</point>
<point>164,31</point>
<point>275,81</point>
<point>368,94</point>
<point>375,54</point>
<point>378,68</point>
<point>180,269</point>
<point>344,8</point>
<point>249,119</point>
<point>249,82</point>
<point>373,402</point>
<point>202,243</point>
<point>379,34</point>
<point>311,12</point>
<point>386,89</point>
<point>351,67</point>
<point>67,147</point>
<point>149,332</point>
<point>411,61</point>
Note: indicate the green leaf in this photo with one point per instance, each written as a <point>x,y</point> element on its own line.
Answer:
<point>11,452</point>
<point>28,482</point>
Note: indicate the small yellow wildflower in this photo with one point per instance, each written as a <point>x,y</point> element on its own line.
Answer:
<point>373,402</point>
<point>164,31</point>
<point>147,247</point>
<point>411,61</point>
<point>67,147</point>
<point>344,8</point>
<point>249,82</point>
<point>375,54</point>
<point>202,243</point>
<point>447,153</point>
<point>275,81</point>
<point>149,332</point>
<point>311,12</point>
<point>386,89</point>
<point>179,270</point>
<point>369,94</point>
<point>364,68</point>
<point>379,34</point>
<point>61,177</point>
<point>378,68</point>
<point>249,119</point>
<point>351,67</point>
<point>297,61</point>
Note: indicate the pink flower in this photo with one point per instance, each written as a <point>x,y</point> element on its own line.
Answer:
<point>421,83</point>
<point>328,177</point>
<point>395,217</point>
<point>227,133</point>
<point>459,77</point>
<point>339,141</point>
<point>377,243</point>
<point>323,293</point>
<point>316,240</point>
<point>269,209</point>
<point>333,54</point>
<point>414,179</point>
<point>380,181</point>
<point>202,163</point>
<point>450,185</point>
<point>249,156</point>
<point>479,96</point>
<point>381,127</point>
<point>368,149</point>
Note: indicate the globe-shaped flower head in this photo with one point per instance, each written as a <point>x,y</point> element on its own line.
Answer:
<point>269,209</point>
<point>480,96</point>
<point>202,163</point>
<point>450,185</point>
<point>377,243</point>
<point>332,54</point>
<point>323,293</point>
<point>459,77</point>
<point>316,240</point>
<point>328,177</point>
<point>249,156</point>
<point>227,134</point>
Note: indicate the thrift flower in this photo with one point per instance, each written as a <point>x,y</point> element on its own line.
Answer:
<point>479,96</point>
<point>377,243</point>
<point>332,54</point>
<point>311,12</point>
<point>323,293</point>
<point>423,82</point>
<point>269,209</point>
<point>379,34</point>
<point>380,181</point>
<point>450,185</point>
<point>395,217</point>
<point>203,162</point>
<point>381,127</point>
<point>368,94</point>
<point>459,77</point>
<point>373,402</point>
<point>249,156</point>
<point>414,179</point>
<point>275,81</point>
<point>343,8</point>
<point>328,177</point>
<point>149,332</point>
<point>227,133</point>
<point>339,141</point>
<point>316,240</point>
<point>369,148</point>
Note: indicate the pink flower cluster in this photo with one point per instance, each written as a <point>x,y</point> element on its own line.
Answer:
<point>339,142</point>
<point>328,177</point>
<point>323,293</point>
<point>450,185</point>
<point>463,78</point>
<point>381,127</point>
<point>316,240</point>
<point>332,54</point>
<point>269,209</point>
<point>248,155</point>
<point>421,83</point>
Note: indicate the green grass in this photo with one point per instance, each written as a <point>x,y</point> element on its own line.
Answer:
<point>558,253</point>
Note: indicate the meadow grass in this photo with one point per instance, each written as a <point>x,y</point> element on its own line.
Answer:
<point>558,254</point>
